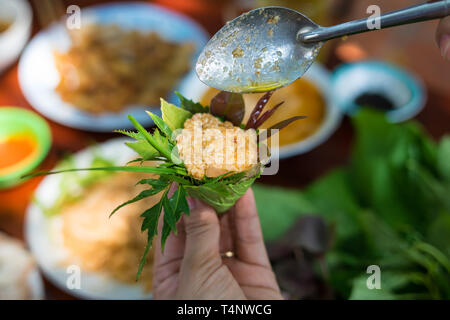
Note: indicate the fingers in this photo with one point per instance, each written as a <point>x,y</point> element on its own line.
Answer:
<point>249,243</point>
<point>202,234</point>
<point>443,37</point>
<point>226,232</point>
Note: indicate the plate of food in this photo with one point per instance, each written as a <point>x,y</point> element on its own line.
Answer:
<point>19,274</point>
<point>122,58</point>
<point>77,245</point>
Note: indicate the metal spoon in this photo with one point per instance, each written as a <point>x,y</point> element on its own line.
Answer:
<point>270,47</point>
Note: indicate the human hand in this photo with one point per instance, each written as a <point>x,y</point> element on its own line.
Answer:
<point>443,37</point>
<point>192,267</point>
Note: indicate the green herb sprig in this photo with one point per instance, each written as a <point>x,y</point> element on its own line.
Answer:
<point>219,192</point>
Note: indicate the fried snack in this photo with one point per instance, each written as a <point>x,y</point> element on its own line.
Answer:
<point>111,245</point>
<point>108,68</point>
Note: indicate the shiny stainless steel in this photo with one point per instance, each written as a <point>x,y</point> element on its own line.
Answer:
<point>271,47</point>
<point>257,50</point>
<point>421,12</point>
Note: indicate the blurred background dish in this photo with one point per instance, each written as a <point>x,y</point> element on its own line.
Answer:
<point>68,224</point>
<point>378,85</point>
<point>15,28</point>
<point>41,82</point>
<point>19,275</point>
<point>308,96</point>
<point>25,140</point>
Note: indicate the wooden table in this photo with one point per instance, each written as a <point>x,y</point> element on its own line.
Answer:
<point>294,172</point>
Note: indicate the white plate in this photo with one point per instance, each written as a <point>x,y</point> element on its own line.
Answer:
<point>46,245</point>
<point>38,76</point>
<point>13,39</point>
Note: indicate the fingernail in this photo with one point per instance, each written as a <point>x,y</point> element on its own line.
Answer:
<point>445,46</point>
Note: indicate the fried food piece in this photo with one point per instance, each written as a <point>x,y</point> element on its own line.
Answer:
<point>209,147</point>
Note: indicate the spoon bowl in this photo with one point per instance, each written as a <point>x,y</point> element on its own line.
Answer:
<point>258,51</point>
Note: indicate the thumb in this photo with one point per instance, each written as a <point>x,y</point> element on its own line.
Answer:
<point>443,37</point>
<point>202,234</point>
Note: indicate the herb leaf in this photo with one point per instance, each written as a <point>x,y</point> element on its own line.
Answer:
<point>189,105</point>
<point>178,204</point>
<point>161,124</point>
<point>174,116</point>
<point>228,105</point>
<point>280,125</point>
<point>150,223</point>
<point>140,196</point>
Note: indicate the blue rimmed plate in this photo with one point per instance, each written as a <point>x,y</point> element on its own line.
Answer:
<point>38,76</point>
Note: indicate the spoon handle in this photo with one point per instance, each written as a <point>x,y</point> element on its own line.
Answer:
<point>421,12</point>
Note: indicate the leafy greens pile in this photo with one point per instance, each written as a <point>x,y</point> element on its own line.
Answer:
<point>389,207</point>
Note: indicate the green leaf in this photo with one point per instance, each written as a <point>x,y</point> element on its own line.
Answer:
<point>279,208</point>
<point>443,158</point>
<point>131,134</point>
<point>156,183</point>
<point>189,105</point>
<point>151,218</point>
<point>179,204</point>
<point>169,214</point>
<point>161,125</point>
<point>174,116</point>
<point>157,142</point>
<point>144,149</point>
<point>143,169</point>
<point>220,196</point>
<point>140,196</point>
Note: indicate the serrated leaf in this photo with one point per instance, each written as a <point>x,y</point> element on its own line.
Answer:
<point>189,105</point>
<point>179,205</point>
<point>150,223</point>
<point>169,214</point>
<point>140,196</point>
<point>131,134</point>
<point>174,116</point>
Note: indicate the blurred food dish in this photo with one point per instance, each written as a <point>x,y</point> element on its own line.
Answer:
<point>378,85</point>
<point>15,28</point>
<point>108,68</point>
<point>69,225</point>
<point>143,53</point>
<point>25,139</point>
<point>308,96</point>
<point>19,275</point>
